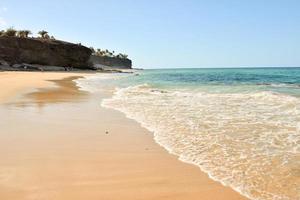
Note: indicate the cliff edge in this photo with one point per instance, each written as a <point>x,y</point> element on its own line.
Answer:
<point>113,62</point>
<point>16,50</point>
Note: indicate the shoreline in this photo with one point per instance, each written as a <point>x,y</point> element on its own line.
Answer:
<point>131,164</point>
<point>28,81</point>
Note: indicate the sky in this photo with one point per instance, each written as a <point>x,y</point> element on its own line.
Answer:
<point>171,33</point>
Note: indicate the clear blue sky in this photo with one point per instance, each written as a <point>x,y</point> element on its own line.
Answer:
<point>171,33</point>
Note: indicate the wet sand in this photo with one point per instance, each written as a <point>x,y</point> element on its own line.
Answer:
<point>58,143</point>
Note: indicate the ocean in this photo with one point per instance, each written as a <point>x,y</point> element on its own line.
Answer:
<point>241,125</point>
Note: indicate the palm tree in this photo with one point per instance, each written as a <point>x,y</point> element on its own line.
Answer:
<point>122,56</point>
<point>11,32</point>
<point>43,34</point>
<point>106,52</point>
<point>99,52</point>
<point>23,33</point>
<point>27,33</point>
<point>20,34</point>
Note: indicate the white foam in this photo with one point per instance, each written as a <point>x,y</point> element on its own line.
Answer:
<point>91,83</point>
<point>249,141</point>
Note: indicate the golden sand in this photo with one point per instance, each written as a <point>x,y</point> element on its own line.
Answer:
<point>57,143</point>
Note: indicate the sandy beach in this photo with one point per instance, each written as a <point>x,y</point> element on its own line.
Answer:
<point>57,142</point>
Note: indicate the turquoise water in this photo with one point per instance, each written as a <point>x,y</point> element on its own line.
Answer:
<point>286,80</point>
<point>240,126</point>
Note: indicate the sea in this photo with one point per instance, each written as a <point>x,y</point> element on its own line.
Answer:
<point>239,125</point>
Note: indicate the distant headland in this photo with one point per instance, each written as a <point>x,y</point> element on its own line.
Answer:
<point>19,52</point>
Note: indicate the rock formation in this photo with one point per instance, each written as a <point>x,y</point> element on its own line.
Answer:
<point>114,62</point>
<point>15,50</point>
<point>37,54</point>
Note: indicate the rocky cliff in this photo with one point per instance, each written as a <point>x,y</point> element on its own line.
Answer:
<point>15,50</point>
<point>120,63</point>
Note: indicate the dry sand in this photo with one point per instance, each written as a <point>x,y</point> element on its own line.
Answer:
<point>57,143</point>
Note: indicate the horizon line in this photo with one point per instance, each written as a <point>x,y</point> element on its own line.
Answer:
<point>262,67</point>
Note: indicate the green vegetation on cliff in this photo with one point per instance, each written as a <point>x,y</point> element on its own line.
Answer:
<point>107,53</point>
<point>11,32</point>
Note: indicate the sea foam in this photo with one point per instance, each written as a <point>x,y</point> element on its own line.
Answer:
<point>249,141</point>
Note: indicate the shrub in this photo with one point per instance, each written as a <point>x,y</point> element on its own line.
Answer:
<point>27,33</point>
<point>43,34</point>
<point>11,32</point>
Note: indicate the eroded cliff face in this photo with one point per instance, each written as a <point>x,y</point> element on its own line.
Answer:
<point>16,50</point>
<point>120,63</point>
